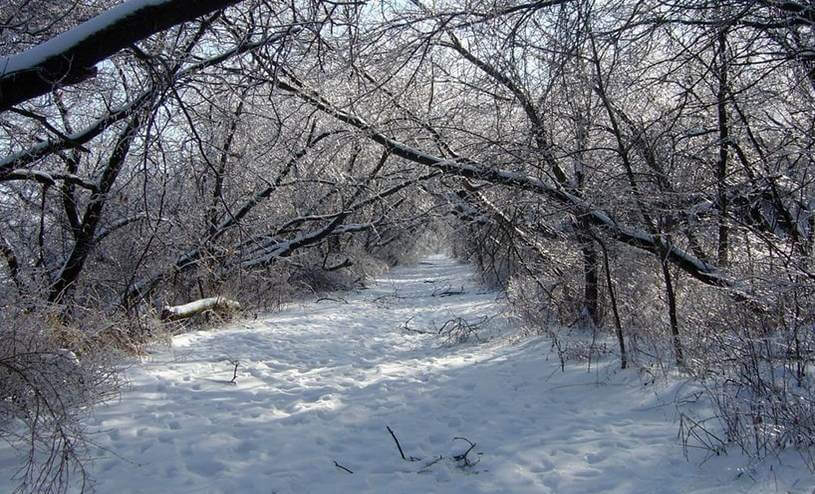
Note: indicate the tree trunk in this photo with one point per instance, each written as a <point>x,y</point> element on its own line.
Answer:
<point>724,137</point>
<point>85,238</point>
<point>613,298</point>
<point>591,296</point>
<point>669,291</point>
<point>11,261</point>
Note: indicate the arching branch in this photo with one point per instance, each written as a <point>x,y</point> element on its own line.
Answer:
<point>70,57</point>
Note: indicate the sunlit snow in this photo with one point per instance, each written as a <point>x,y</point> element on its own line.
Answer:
<point>318,384</point>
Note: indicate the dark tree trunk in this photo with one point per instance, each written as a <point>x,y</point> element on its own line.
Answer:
<point>724,136</point>
<point>671,299</point>
<point>86,235</point>
<point>591,295</point>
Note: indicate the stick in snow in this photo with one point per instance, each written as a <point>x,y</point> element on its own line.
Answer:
<point>393,435</point>
<point>406,327</point>
<point>234,372</point>
<point>397,442</point>
<point>342,467</point>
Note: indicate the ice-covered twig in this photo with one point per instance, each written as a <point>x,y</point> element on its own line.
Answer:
<point>406,327</point>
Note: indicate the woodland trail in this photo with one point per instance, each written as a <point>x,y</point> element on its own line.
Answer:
<point>318,384</point>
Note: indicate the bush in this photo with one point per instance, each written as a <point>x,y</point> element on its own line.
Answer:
<point>46,390</point>
<point>756,364</point>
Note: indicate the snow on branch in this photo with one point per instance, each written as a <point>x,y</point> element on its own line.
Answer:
<point>286,248</point>
<point>46,178</point>
<point>121,224</point>
<point>79,138</point>
<point>463,167</point>
<point>74,140</point>
<point>70,57</point>
<point>218,304</point>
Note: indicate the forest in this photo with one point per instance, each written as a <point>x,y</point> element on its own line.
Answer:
<point>636,169</point>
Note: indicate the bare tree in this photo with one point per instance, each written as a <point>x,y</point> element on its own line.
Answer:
<point>646,160</point>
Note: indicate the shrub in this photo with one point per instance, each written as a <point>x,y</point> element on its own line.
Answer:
<point>45,391</point>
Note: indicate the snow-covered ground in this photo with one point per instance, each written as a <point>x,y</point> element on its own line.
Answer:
<point>319,383</point>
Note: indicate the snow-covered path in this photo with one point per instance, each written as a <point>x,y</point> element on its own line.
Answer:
<point>318,383</point>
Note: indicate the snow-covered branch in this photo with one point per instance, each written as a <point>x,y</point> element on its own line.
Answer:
<point>221,304</point>
<point>193,256</point>
<point>46,178</point>
<point>119,224</point>
<point>698,268</point>
<point>81,137</point>
<point>286,248</point>
<point>70,57</point>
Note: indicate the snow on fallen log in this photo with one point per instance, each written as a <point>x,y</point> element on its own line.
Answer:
<point>218,304</point>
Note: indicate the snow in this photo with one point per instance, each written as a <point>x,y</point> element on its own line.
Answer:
<point>319,382</point>
<point>32,57</point>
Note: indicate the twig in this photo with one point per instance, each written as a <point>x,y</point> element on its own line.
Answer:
<point>463,456</point>
<point>448,291</point>
<point>459,330</point>
<point>433,462</point>
<point>406,327</point>
<point>408,458</point>
<point>397,442</point>
<point>342,467</point>
<point>234,372</point>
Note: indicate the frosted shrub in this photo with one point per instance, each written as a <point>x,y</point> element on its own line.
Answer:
<point>317,280</point>
<point>535,303</point>
<point>45,390</point>
<point>757,370</point>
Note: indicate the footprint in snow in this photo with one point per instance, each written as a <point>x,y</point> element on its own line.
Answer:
<point>592,458</point>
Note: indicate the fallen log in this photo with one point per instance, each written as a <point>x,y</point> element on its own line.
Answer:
<point>218,304</point>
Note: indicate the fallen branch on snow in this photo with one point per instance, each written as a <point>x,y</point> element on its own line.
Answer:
<point>406,327</point>
<point>399,446</point>
<point>463,456</point>
<point>459,330</point>
<point>448,292</point>
<point>218,304</point>
<point>342,467</point>
<point>234,371</point>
